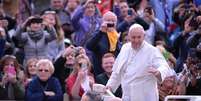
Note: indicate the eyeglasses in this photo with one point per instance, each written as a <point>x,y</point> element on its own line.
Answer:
<point>50,12</point>
<point>43,70</point>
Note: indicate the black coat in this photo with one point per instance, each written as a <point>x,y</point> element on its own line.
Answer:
<point>99,45</point>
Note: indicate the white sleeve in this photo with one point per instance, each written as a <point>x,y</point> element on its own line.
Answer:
<point>161,64</point>
<point>114,81</point>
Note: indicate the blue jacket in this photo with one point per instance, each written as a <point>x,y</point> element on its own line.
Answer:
<point>82,25</point>
<point>35,90</point>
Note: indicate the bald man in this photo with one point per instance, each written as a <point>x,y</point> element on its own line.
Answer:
<point>138,67</point>
<point>104,40</point>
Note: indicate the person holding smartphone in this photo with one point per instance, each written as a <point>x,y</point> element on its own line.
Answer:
<point>11,83</point>
<point>155,25</point>
<point>81,79</point>
<point>104,40</point>
<point>126,17</point>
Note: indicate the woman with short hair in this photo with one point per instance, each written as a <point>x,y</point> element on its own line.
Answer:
<point>44,87</point>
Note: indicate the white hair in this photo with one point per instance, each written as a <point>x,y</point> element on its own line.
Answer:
<point>109,13</point>
<point>136,26</point>
<point>46,62</point>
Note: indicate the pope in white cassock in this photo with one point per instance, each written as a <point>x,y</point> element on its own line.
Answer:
<point>138,67</point>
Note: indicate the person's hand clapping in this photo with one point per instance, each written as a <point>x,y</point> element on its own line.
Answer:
<point>49,93</point>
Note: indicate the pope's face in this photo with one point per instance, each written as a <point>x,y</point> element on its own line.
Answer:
<point>136,37</point>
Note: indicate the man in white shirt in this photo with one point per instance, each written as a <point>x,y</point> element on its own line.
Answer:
<point>138,67</point>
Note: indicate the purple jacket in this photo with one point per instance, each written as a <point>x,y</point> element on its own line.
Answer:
<point>82,25</point>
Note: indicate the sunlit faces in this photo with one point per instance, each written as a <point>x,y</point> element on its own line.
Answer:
<point>107,64</point>
<point>136,37</point>
<point>44,72</point>
<point>32,68</point>
<point>124,8</point>
<point>45,69</point>
<point>90,9</point>
<point>50,18</point>
<point>70,58</point>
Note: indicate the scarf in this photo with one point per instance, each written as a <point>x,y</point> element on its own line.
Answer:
<point>113,37</point>
<point>36,35</point>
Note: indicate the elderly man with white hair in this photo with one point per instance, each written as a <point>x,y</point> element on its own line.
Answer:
<point>138,67</point>
<point>105,40</point>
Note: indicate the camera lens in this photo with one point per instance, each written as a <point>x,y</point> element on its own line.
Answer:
<point>110,25</point>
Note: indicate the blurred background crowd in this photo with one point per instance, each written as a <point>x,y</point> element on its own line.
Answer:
<point>55,48</point>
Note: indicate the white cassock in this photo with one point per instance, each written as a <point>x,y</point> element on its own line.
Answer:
<point>130,70</point>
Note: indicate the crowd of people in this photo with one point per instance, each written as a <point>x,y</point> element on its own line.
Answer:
<point>140,50</point>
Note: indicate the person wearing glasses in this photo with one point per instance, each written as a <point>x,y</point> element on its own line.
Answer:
<point>44,87</point>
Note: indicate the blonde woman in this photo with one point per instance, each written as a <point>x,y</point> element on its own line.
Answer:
<point>56,46</point>
<point>44,87</point>
<point>81,79</point>
<point>30,70</point>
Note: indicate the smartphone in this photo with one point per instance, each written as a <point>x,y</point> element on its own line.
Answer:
<point>11,70</point>
<point>110,24</point>
<point>84,66</point>
<point>130,12</point>
<point>77,51</point>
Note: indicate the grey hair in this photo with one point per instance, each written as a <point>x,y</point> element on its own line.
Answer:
<point>46,62</point>
<point>93,96</point>
<point>134,26</point>
<point>109,13</point>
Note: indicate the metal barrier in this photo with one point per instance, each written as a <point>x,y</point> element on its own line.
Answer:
<point>182,97</point>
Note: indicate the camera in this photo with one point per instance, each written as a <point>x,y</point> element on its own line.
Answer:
<point>130,12</point>
<point>149,10</point>
<point>198,66</point>
<point>77,51</point>
<point>110,24</point>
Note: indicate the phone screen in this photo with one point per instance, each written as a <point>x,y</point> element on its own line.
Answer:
<point>11,70</point>
<point>130,12</point>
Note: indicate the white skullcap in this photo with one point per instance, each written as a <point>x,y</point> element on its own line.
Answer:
<point>109,13</point>
<point>134,26</point>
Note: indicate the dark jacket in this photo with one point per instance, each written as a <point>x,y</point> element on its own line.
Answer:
<point>181,45</point>
<point>103,78</point>
<point>35,90</point>
<point>2,46</point>
<point>99,45</point>
<point>16,91</point>
<point>61,72</point>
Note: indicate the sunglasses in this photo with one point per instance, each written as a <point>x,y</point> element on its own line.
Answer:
<point>43,70</point>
